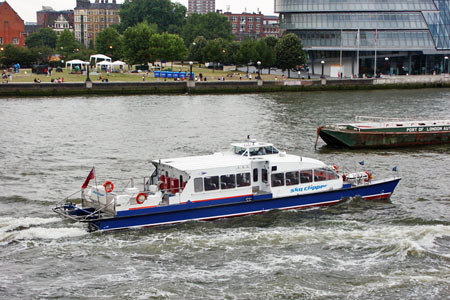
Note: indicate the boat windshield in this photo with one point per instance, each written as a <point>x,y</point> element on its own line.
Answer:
<point>255,151</point>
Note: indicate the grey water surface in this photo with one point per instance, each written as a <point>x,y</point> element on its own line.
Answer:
<point>398,249</point>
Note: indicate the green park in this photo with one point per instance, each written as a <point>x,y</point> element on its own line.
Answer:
<point>156,38</point>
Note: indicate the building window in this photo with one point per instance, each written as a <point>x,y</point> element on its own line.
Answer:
<point>15,41</point>
<point>234,19</point>
<point>1,41</point>
<point>250,19</point>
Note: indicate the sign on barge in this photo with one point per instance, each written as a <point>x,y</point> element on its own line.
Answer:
<point>253,178</point>
<point>386,134</point>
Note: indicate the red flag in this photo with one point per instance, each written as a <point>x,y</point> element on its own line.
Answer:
<point>90,176</point>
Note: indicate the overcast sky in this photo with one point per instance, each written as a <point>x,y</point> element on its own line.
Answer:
<point>27,8</point>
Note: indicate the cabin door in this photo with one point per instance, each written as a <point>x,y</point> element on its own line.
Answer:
<point>260,183</point>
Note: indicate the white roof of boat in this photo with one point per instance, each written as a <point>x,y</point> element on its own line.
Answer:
<point>228,159</point>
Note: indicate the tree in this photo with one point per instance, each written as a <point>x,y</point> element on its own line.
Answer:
<point>247,53</point>
<point>168,16</point>
<point>109,42</point>
<point>265,55</point>
<point>210,25</point>
<point>136,43</point>
<point>271,41</point>
<point>290,53</point>
<point>232,53</point>
<point>270,58</point>
<point>215,51</point>
<point>196,49</point>
<point>45,37</point>
<point>167,47</point>
<point>12,55</point>
<point>66,44</point>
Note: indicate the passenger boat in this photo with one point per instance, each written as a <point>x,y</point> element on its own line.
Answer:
<point>252,178</point>
<point>369,132</point>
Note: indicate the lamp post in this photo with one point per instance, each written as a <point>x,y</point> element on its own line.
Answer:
<point>323,66</point>
<point>386,60</point>
<point>259,69</point>
<point>190,72</point>
<point>447,63</point>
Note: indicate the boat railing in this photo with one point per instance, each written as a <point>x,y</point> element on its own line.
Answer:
<point>443,120</point>
<point>85,213</point>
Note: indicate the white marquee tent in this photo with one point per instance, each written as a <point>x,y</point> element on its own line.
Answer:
<point>76,62</point>
<point>99,57</point>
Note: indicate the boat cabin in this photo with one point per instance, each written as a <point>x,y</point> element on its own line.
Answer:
<point>248,170</point>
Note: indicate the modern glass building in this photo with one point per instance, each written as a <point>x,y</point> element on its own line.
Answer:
<point>371,36</point>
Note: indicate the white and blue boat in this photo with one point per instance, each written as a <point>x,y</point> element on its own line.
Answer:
<point>253,178</point>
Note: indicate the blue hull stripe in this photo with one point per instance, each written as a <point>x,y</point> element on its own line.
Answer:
<point>213,210</point>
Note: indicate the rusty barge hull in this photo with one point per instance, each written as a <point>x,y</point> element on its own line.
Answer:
<point>381,139</point>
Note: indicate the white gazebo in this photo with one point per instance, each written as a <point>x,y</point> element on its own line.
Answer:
<point>99,57</point>
<point>76,62</point>
<point>118,64</point>
<point>103,65</point>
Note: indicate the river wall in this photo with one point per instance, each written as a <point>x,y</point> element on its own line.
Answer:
<point>218,87</point>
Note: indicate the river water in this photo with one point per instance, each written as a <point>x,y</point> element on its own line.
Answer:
<point>398,249</point>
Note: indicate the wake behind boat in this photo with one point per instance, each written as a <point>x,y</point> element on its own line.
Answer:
<point>253,178</point>
<point>370,132</point>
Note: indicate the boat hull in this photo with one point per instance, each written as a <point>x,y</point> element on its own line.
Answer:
<point>383,139</point>
<point>209,210</point>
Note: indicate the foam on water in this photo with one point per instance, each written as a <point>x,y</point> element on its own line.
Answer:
<point>48,233</point>
<point>9,224</point>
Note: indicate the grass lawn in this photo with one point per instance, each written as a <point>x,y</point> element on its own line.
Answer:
<point>25,75</point>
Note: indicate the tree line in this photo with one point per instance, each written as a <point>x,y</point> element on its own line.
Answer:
<point>159,30</point>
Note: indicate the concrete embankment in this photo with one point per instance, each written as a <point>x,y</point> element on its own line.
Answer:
<point>218,87</point>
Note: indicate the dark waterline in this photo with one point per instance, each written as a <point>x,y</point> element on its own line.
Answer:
<point>356,250</point>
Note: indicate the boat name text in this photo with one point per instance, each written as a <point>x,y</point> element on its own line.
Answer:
<point>308,188</point>
<point>420,129</point>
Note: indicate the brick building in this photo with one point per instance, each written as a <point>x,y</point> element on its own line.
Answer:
<point>271,26</point>
<point>12,27</point>
<point>92,18</point>
<point>245,25</point>
<point>47,16</point>
<point>201,6</point>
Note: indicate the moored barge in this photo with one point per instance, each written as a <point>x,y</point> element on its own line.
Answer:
<point>386,134</point>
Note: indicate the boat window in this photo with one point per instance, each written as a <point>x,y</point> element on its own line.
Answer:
<point>255,175</point>
<point>292,178</point>
<point>277,179</point>
<point>243,179</point>
<point>264,175</point>
<point>198,185</point>
<point>239,150</point>
<point>211,183</point>
<point>306,176</point>
<point>227,181</point>
<point>271,150</point>
<point>320,174</point>
<point>331,175</point>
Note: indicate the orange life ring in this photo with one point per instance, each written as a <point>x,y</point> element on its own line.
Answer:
<point>139,198</point>
<point>109,186</point>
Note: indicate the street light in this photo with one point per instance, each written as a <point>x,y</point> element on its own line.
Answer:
<point>447,63</point>
<point>386,60</point>
<point>190,73</point>
<point>259,69</point>
<point>323,66</point>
